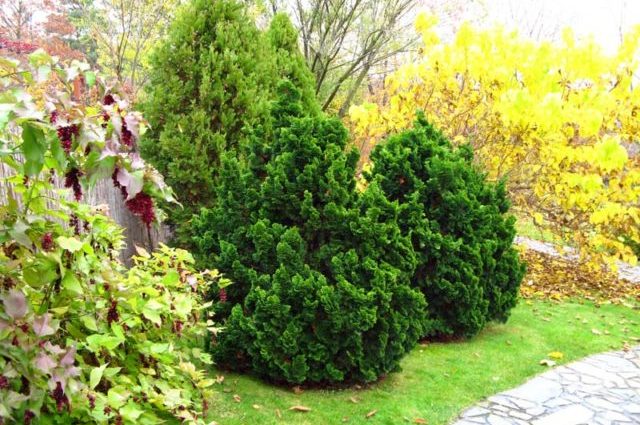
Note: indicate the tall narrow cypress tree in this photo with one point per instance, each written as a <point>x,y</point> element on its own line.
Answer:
<point>290,64</point>
<point>211,81</point>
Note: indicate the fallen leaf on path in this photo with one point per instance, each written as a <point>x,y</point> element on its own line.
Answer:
<point>559,278</point>
<point>547,362</point>
<point>371,414</point>
<point>300,409</point>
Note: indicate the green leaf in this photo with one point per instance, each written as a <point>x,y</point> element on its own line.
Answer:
<point>152,315</point>
<point>90,78</point>
<point>183,304</point>
<point>130,412</point>
<point>158,348</point>
<point>89,322</point>
<point>71,283</point>
<point>171,278</point>
<point>96,375</point>
<point>40,272</point>
<point>117,397</point>
<point>98,169</point>
<point>97,341</point>
<point>70,244</point>
<point>57,152</point>
<point>117,330</point>
<point>19,233</point>
<point>111,371</point>
<point>33,149</point>
<point>40,57</point>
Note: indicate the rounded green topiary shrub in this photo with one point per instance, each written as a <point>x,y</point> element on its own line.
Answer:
<point>321,289</point>
<point>467,267</point>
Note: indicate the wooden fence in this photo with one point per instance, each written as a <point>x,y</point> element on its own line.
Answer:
<point>104,194</point>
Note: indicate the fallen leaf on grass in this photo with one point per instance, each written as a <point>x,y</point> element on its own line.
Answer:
<point>556,355</point>
<point>354,400</point>
<point>547,362</point>
<point>278,414</point>
<point>419,421</point>
<point>256,406</point>
<point>371,414</point>
<point>297,390</point>
<point>237,398</point>
<point>345,419</point>
<point>596,331</point>
<point>300,409</point>
<point>219,379</point>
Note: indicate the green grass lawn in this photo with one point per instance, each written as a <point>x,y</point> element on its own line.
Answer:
<point>525,227</point>
<point>438,380</point>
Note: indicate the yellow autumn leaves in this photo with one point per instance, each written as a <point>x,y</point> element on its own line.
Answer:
<point>557,119</point>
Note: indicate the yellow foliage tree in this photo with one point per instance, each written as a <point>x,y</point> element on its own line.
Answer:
<point>558,120</point>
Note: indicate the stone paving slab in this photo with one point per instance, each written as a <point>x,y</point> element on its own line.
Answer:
<point>603,389</point>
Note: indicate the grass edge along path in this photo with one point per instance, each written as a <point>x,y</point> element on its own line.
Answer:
<point>439,380</point>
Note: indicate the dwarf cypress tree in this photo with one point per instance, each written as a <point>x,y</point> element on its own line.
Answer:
<point>321,272</point>
<point>467,267</point>
<point>211,80</point>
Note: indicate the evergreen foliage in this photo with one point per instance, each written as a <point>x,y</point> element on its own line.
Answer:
<point>458,223</point>
<point>211,81</point>
<point>321,289</point>
<point>290,63</point>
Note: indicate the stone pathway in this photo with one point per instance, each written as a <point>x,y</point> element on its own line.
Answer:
<point>603,389</point>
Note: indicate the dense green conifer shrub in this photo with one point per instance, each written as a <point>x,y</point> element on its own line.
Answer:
<point>467,267</point>
<point>321,272</point>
